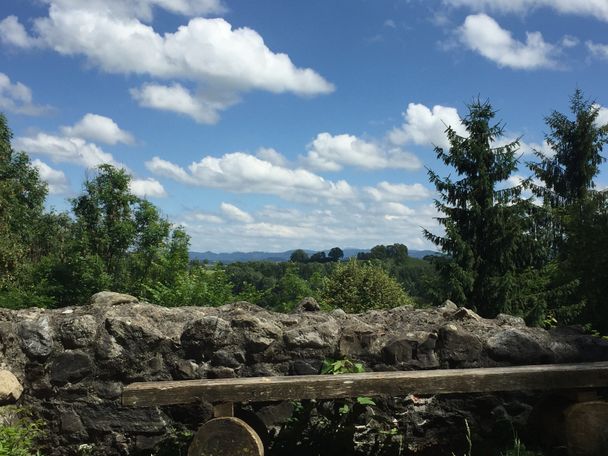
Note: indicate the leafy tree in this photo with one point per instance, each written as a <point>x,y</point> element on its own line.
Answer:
<point>198,286</point>
<point>104,216</point>
<point>356,286</point>
<point>136,246</point>
<point>299,256</point>
<point>318,257</point>
<point>484,226</point>
<point>288,291</point>
<point>335,254</point>
<point>22,196</point>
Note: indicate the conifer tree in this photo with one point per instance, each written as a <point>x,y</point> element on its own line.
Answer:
<point>576,216</point>
<point>484,225</point>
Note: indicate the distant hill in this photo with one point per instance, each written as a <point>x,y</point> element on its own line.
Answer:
<point>278,257</point>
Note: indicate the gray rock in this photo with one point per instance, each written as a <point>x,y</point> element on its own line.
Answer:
<point>448,306</point>
<point>109,298</point>
<point>71,366</point>
<point>458,348</point>
<point>465,314</point>
<point>517,347</point>
<point>206,335</point>
<point>510,320</point>
<point>308,304</point>
<point>78,332</point>
<point>36,337</point>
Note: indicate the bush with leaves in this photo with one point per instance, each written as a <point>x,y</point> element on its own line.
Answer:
<point>198,286</point>
<point>19,433</point>
<point>356,286</point>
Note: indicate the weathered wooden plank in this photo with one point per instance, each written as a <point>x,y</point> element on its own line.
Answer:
<point>441,381</point>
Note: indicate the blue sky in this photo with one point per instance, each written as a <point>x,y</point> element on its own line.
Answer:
<point>273,125</point>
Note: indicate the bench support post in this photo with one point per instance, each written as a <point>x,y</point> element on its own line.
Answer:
<point>223,409</point>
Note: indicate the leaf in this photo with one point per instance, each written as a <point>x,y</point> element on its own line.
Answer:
<point>364,400</point>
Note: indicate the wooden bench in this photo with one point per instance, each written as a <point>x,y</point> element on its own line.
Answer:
<point>226,434</point>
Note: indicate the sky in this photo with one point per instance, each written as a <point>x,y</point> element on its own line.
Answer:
<point>282,124</point>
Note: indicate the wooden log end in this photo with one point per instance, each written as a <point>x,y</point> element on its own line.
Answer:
<point>226,436</point>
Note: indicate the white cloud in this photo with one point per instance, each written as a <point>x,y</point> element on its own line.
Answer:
<point>272,156</point>
<point>178,99</point>
<point>234,213</point>
<point>144,9</point>
<point>243,173</point>
<point>598,50</point>
<point>56,180</point>
<point>385,191</point>
<point>208,52</point>
<point>569,41</point>
<point>485,36</point>
<point>331,153</point>
<point>424,126</point>
<point>17,97</point>
<point>204,217</point>
<point>147,188</point>
<point>13,33</point>
<point>98,128</point>
<point>602,117</point>
<point>593,8</point>
<point>320,227</point>
<point>65,149</point>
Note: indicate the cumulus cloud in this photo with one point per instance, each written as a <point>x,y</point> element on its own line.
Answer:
<point>597,50</point>
<point>144,9</point>
<point>272,156</point>
<point>593,8</point>
<point>319,227</point>
<point>145,188</point>
<point>61,149</point>
<point>178,99</point>
<point>331,153</point>
<point>244,173</point>
<point>204,217</point>
<point>207,52</point>
<point>484,35</point>
<point>13,33</point>
<point>386,191</point>
<point>602,117</point>
<point>17,97</point>
<point>424,126</point>
<point>56,180</point>
<point>234,213</point>
<point>98,128</point>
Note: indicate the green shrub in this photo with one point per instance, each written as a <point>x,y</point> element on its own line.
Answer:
<point>357,286</point>
<point>18,433</point>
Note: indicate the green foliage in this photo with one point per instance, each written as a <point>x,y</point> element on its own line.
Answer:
<point>485,228</point>
<point>288,291</point>
<point>19,434</point>
<point>198,286</point>
<point>575,216</point>
<point>357,286</point>
<point>299,256</point>
<point>22,195</point>
<point>341,366</point>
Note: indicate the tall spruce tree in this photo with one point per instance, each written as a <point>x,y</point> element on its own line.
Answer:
<point>576,216</point>
<point>484,225</point>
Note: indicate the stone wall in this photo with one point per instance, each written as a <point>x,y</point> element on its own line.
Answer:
<point>74,362</point>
